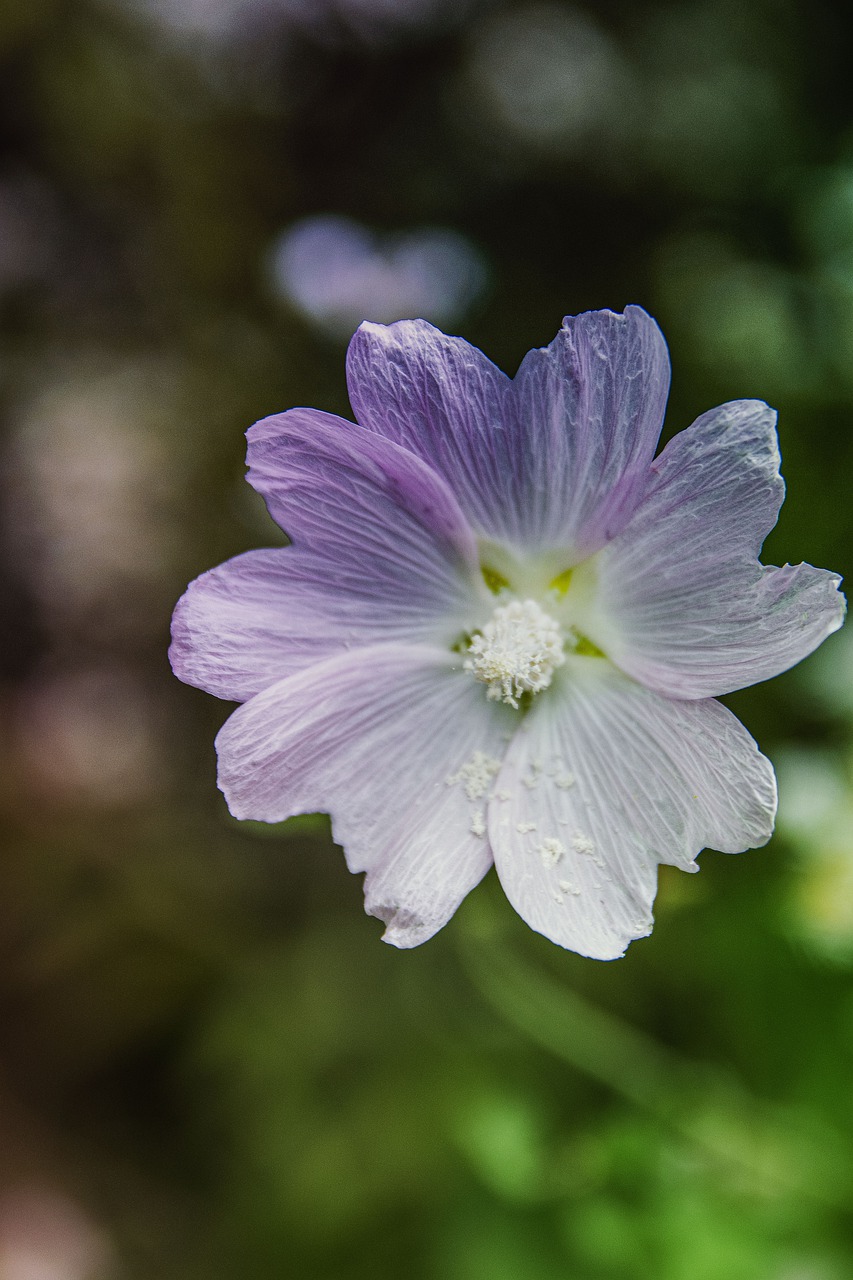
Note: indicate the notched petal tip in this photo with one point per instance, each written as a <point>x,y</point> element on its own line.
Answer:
<point>614,949</point>
<point>836,617</point>
<point>633,316</point>
<point>619,940</point>
<point>391,333</point>
<point>610,942</point>
<point>376,326</point>
<point>370,329</point>
<point>747,403</point>
<point>404,928</point>
<point>630,312</point>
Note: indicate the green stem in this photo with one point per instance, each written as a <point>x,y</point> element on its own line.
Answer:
<point>771,1147</point>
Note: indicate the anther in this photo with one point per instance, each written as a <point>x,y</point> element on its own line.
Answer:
<point>517,651</point>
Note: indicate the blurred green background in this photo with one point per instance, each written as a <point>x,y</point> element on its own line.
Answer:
<point>210,1069</point>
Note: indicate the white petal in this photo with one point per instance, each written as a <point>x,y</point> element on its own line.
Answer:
<point>402,749</point>
<point>685,606</point>
<point>605,779</point>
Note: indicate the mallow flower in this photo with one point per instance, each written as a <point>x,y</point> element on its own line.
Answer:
<point>501,626</point>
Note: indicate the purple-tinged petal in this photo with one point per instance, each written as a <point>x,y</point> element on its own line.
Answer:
<point>556,458</point>
<point>382,551</point>
<point>445,401</point>
<point>265,615</point>
<point>356,495</point>
<point>402,749</point>
<point>592,406</point>
<point>685,606</point>
<point>603,782</point>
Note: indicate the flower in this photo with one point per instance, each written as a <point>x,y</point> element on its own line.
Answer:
<point>335,271</point>
<point>501,626</point>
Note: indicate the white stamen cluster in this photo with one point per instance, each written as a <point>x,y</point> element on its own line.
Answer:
<point>517,652</point>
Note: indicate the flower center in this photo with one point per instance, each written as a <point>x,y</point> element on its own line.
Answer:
<point>517,651</point>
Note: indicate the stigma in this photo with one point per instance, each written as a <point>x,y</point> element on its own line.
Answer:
<point>516,652</point>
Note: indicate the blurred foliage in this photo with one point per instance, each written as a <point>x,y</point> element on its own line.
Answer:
<point>209,1068</point>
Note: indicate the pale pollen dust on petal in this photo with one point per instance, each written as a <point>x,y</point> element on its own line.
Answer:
<point>551,851</point>
<point>475,775</point>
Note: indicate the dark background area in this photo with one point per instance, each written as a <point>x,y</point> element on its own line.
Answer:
<point>209,1067</point>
